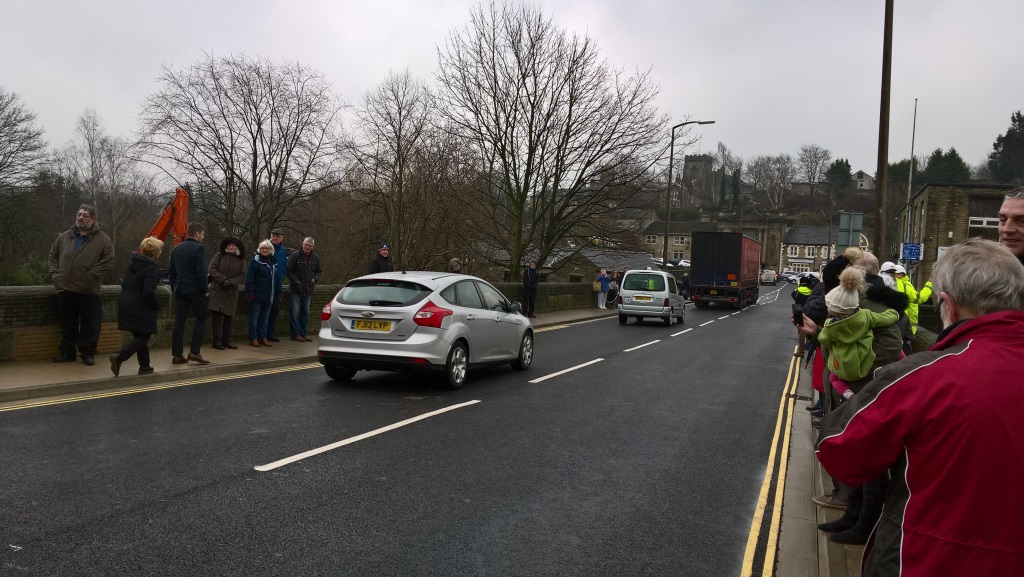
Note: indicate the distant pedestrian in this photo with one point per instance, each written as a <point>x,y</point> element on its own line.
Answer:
<point>263,286</point>
<point>227,277</point>
<point>281,256</point>
<point>78,260</point>
<point>531,279</point>
<point>382,262</point>
<point>1011,223</point>
<point>188,275</point>
<point>602,296</point>
<point>137,307</point>
<point>303,272</point>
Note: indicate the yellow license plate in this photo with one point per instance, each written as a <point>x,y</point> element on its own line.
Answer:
<point>364,325</point>
<point>713,292</point>
<point>642,299</point>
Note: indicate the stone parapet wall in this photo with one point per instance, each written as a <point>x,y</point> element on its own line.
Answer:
<point>29,329</point>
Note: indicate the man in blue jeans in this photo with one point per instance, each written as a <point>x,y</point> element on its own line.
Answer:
<point>189,282</point>
<point>303,272</point>
<point>281,255</point>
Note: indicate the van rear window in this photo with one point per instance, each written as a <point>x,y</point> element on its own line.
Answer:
<point>643,282</point>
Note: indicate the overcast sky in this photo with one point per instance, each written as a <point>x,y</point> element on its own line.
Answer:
<point>773,74</point>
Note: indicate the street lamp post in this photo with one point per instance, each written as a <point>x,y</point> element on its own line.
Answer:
<point>668,191</point>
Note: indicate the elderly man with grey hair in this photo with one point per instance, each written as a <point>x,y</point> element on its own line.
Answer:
<point>1011,223</point>
<point>946,424</point>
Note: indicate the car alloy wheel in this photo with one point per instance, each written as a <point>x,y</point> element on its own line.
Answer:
<point>456,366</point>
<point>525,358</point>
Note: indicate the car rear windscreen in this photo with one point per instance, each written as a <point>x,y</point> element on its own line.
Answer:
<point>382,293</point>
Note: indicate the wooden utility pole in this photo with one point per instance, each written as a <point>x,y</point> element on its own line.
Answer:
<point>882,170</point>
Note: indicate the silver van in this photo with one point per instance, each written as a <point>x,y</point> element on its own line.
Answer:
<point>650,293</point>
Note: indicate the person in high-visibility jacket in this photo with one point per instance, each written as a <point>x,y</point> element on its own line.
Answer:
<point>906,287</point>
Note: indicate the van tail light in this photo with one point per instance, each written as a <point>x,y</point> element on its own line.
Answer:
<point>665,304</point>
<point>325,313</point>
<point>619,299</point>
<point>431,315</point>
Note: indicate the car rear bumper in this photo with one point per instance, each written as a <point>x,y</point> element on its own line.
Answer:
<point>420,352</point>
<point>641,311</point>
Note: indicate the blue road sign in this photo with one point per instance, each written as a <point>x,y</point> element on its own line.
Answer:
<point>911,251</point>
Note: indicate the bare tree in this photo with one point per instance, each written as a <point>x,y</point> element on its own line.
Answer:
<point>103,170</point>
<point>410,173</point>
<point>22,148</point>
<point>771,177</point>
<point>256,138</point>
<point>558,128</point>
<point>22,156</point>
<point>813,163</point>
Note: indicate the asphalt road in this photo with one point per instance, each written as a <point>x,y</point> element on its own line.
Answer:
<point>646,462</point>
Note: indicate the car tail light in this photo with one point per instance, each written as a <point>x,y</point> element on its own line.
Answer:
<point>619,299</point>
<point>665,304</point>
<point>431,315</point>
<point>325,313</point>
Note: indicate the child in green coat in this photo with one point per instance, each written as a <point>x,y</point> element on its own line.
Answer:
<point>847,333</point>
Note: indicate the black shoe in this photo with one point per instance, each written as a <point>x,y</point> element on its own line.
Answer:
<point>814,407</point>
<point>819,413</point>
<point>230,345</point>
<point>145,370</point>
<point>115,365</point>
<point>88,360</point>
<point>64,358</point>
<point>274,339</point>
<point>219,346</point>
<point>852,536</point>
<point>838,526</point>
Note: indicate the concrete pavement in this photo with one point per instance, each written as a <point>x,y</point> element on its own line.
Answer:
<point>802,549</point>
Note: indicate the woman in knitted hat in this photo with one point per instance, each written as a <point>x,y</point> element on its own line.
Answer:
<point>847,333</point>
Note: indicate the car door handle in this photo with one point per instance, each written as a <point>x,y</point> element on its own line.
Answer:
<point>470,317</point>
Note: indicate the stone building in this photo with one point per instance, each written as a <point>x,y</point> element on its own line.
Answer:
<point>946,214</point>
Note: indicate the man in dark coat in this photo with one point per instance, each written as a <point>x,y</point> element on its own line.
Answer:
<point>137,306</point>
<point>531,278</point>
<point>382,262</point>
<point>303,272</point>
<point>78,260</point>
<point>187,273</point>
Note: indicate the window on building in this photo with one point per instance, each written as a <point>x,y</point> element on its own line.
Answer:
<point>812,251</point>
<point>678,240</point>
<point>983,219</point>
<point>793,250</point>
<point>652,239</point>
<point>678,254</point>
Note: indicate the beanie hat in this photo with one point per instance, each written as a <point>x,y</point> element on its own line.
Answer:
<point>384,245</point>
<point>830,274</point>
<point>845,298</point>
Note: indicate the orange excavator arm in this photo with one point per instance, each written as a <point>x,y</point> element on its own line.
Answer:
<point>174,219</point>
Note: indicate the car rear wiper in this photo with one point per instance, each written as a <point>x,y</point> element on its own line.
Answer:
<point>384,303</point>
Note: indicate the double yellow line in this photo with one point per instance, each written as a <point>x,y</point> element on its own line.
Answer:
<point>783,426</point>
<point>135,390</point>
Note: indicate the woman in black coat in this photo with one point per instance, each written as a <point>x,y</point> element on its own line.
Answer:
<point>137,308</point>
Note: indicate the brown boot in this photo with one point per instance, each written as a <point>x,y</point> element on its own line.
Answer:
<point>265,343</point>
<point>254,343</point>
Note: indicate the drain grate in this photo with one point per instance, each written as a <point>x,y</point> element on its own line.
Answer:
<point>800,397</point>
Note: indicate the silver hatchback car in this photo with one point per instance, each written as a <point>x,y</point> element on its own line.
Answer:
<point>422,321</point>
